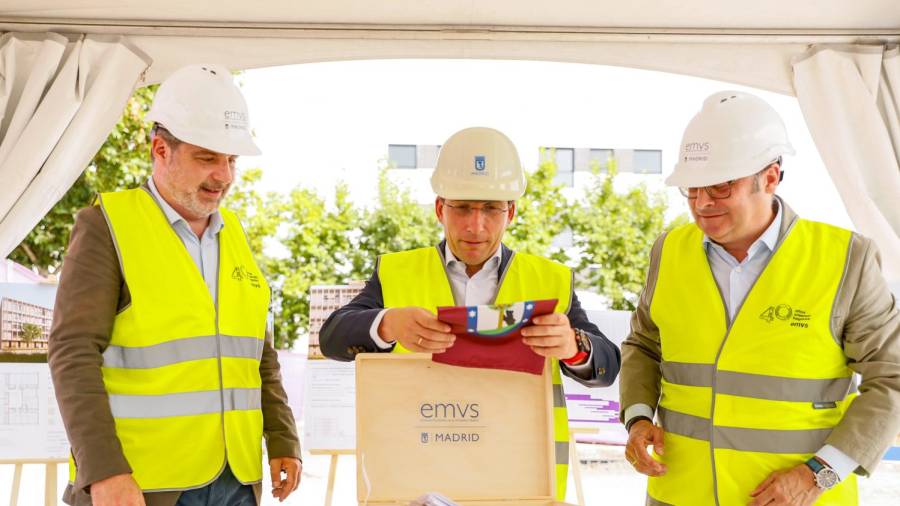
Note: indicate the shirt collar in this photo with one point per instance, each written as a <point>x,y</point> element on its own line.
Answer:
<point>450,259</point>
<point>769,238</point>
<point>215,221</point>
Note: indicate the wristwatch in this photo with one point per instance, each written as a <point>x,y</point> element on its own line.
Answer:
<point>826,477</point>
<point>583,342</point>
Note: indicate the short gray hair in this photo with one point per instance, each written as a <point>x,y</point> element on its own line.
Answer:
<point>167,137</point>
<point>755,188</point>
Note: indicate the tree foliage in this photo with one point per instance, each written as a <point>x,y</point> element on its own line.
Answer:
<point>542,214</point>
<point>31,332</point>
<point>259,213</point>
<point>317,239</point>
<point>300,240</point>
<point>614,230</point>
<point>397,223</point>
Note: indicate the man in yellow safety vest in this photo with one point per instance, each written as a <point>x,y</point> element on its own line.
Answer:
<point>748,333</point>
<point>478,179</point>
<point>160,351</point>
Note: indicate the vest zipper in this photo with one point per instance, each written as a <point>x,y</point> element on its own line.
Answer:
<point>219,352</point>
<point>730,324</point>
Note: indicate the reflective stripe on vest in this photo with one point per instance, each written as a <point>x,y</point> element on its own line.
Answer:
<point>181,371</point>
<point>185,403</point>
<point>740,400</point>
<point>418,278</point>
<point>182,350</point>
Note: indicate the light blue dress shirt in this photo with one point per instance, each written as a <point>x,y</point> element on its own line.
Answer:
<point>204,250</point>
<point>735,279</point>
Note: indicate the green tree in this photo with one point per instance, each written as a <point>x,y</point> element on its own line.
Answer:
<point>259,213</point>
<point>396,223</point>
<point>541,214</point>
<point>318,243</point>
<point>614,231</point>
<point>123,161</point>
<point>311,242</point>
<point>30,332</point>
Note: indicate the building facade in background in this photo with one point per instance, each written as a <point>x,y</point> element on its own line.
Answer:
<point>324,300</point>
<point>569,160</point>
<point>412,165</point>
<point>24,327</point>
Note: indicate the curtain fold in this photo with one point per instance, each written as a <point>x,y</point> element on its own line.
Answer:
<point>59,99</point>
<point>850,98</point>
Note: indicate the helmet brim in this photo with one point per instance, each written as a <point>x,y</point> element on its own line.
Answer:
<point>240,145</point>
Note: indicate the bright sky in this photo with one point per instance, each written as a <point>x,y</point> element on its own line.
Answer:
<point>324,122</point>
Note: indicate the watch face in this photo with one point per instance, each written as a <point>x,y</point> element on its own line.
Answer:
<point>826,478</point>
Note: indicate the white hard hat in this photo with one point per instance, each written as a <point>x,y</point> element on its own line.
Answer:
<point>201,105</point>
<point>734,135</point>
<point>478,164</point>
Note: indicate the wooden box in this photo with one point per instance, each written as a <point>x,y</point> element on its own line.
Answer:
<point>480,437</point>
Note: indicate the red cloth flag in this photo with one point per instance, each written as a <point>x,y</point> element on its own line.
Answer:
<point>490,336</point>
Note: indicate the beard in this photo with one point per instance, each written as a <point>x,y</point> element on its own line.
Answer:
<point>197,205</point>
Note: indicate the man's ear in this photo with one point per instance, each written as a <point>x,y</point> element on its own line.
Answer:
<point>159,149</point>
<point>439,208</point>
<point>772,177</point>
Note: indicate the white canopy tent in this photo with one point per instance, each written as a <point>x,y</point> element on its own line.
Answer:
<point>838,58</point>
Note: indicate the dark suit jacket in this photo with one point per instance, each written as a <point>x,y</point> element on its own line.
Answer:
<point>346,332</point>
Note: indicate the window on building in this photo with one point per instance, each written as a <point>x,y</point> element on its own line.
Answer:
<point>427,155</point>
<point>647,161</point>
<point>402,156</point>
<point>600,158</point>
<point>565,164</point>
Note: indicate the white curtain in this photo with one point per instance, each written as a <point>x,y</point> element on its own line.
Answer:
<point>59,99</point>
<point>850,97</point>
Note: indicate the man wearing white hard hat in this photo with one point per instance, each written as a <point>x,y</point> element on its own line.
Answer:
<point>748,333</point>
<point>160,351</point>
<point>477,180</point>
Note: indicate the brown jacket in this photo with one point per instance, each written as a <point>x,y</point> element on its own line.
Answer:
<point>91,292</point>
<point>865,320</point>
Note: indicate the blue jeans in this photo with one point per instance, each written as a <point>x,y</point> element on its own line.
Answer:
<point>226,490</point>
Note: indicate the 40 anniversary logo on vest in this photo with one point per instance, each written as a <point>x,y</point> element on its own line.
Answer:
<point>454,422</point>
<point>241,273</point>
<point>798,318</point>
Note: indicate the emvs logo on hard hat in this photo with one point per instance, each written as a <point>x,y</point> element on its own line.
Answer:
<point>480,165</point>
<point>235,120</point>
<point>696,151</point>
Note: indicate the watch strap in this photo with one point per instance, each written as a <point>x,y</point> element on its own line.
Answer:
<point>814,465</point>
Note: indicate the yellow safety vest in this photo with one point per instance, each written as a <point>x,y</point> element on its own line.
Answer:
<point>740,401</point>
<point>182,372</point>
<point>418,278</point>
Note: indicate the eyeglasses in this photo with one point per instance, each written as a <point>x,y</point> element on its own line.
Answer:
<point>716,191</point>
<point>723,190</point>
<point>464,211</point>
